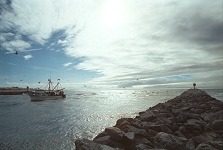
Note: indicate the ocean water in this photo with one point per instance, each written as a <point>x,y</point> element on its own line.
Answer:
<point>56,124</point>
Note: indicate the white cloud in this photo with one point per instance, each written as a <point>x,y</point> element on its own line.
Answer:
<point>67,64</point>
<point>147,39</point>
<point>27,57</point>
<point>15,45</point>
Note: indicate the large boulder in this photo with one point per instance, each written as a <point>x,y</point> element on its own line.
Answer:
<point>85,144</point>
<point>168,141</point>
<point>204,146</point>
<point>214,116</point>
<point>206,138</point>
<point>147,115</point>
<point>217,125</point>
<point>106,140</point>
<point>115,133</point>
<point>129,137</point>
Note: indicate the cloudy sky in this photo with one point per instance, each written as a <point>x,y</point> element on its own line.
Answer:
<point>112,43</point>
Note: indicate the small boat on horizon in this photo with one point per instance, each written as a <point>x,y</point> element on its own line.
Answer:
<point>49,93</point>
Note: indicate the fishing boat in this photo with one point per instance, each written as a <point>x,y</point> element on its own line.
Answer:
<point>49,93</point>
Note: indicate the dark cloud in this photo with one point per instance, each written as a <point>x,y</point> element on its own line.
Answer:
<point>200,30</point>
<point>196,30</point>
<point>5,6</point>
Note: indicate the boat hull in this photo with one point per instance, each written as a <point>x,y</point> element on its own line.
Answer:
<point>45,97</point>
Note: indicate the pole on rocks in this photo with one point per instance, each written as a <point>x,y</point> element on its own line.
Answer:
<point>194,84</point>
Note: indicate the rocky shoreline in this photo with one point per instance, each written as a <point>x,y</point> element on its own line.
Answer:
<point>191,121</point>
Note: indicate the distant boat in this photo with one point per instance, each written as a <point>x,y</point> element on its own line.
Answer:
<point>50,93</point>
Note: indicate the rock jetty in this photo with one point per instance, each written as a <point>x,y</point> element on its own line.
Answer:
<point>191,121</point>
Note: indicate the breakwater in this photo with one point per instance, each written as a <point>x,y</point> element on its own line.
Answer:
<point>193,120</point>
<point>14,91</point>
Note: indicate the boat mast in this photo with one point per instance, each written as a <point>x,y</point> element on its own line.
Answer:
<point>49,84</point>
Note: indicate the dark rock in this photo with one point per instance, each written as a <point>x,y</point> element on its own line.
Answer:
<point>85,144</point>
<point>142,147</point>
<point>196,122</point>
<point>204,146</point>
<point>129,137</point>
<point>151,133</point>
<point>182,129</point>
<point>183,117</point>
<point>137,123</point>
<point>106,140</point>
<point>216,109</point>
<point>147,116</point>
<point>138,131</point>
<point>197,110</point>
<point>205,138</point>
<point>102,140</point>
<point>190,145</point>
<point>178,133</point>
<point>217,125</point>
<point>169,141</point>
<point>214,116</point>
<point>185,109</point>
<point>115,133</point>
<point>164,120</point>
<point>217,144</point>
<point>155,128</point>
<point>165,128</point>
<point>142,140</point>
<point>102,134</point>
<point>175,127</point>
<point>159,106</point>
<point>123,121</point>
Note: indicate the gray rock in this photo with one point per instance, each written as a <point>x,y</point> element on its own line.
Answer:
<point>138,131</point>
<point>214,116</point>
<point>142,140</point>
<point>164,120</point>
<point>168,141</point>
<point>129,137</point>
<point>115,133</point>
<point>102,134</point>
<point>183,117</point>
<point>102,140</point>
<point>204,146</point>
<point>166,129</point>
<point>217,144</point>
<point>178,133</point>
<point>85,144</point>
<point>197,110</point>
<point>147,116</point>
<point>196,122</point>
<point>151,133</point>
<point>123,121</point>
<point>142,147</point>
<point>204,138</point>
<point>190,145</point>
<point>106,140</point>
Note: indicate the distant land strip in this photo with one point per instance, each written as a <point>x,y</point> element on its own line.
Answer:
<point>14,90</point>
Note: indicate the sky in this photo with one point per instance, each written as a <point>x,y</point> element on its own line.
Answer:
<point>112,44</point>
